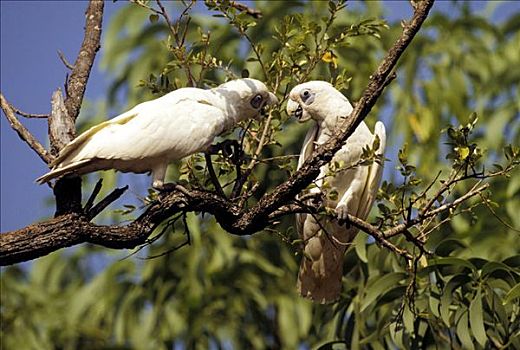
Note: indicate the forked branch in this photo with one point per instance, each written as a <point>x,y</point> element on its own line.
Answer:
<point>22,131</point>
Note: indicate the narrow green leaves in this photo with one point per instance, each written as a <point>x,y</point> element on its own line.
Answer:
<point>476,319</point>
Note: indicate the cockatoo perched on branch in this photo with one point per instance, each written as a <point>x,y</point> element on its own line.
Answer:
<point>153,134</point>
<point>348,191</point>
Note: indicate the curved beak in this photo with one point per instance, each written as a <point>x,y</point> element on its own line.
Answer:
<point>294,109</point>
<point>273,100</point>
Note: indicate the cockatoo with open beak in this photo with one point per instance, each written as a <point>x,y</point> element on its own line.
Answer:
<point>325,241</point>
<point>153,134</point>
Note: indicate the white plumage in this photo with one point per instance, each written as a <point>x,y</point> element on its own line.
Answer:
<point>321,267</point>
<point>153,134</point>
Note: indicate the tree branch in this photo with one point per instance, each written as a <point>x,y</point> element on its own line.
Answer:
<point>62,129</point>
<point>396,230</point>
<point>244,8</point>
<point>93,195</point>
<point>105,202</point>
<point>77,82</point>
<point>70,229</point>
<point>64,60</point>
<point>22,131</point>
<point>212,175</point>
<point>28,115</point>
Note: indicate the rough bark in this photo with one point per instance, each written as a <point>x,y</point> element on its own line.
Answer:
<point>77,82</point>
<point>62,130</point>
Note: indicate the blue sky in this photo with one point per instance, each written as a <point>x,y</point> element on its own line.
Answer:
<point>30,70</point>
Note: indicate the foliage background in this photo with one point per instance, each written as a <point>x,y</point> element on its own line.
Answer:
<point>230,292</point>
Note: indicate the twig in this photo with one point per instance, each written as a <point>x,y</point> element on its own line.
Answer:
<point>23,133</point>
<point>213,176</point>
<point>185,243</point>
<point>364,226</point>
<point>394,231</point>
<point>250,11</point>
<point>445,186</point>
<point>379,236</point>
<point>28,115</point>
<point>95,192</point>
<point>175,32</point>
<point>257,53</point>
<point>494,213</point>
<point>105,202</point>
<point>64,60</point>
<point>247,194</point>
<point>254,160</point>
<point>243,33</point>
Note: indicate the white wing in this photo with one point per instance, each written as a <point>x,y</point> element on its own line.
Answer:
<point>306,152</point>
<point>373,178</point>
<point>158,131</point>
<point>321,268</point>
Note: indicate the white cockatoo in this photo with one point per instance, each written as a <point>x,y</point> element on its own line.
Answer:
<point>154,133</point>
<point>325,241</point>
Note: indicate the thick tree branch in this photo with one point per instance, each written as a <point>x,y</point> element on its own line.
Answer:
<point>22,131</point>
<point>70,229</point>
<point>63,116</point>
<point>40,239</point>
<point>62,128</point>
<point>77,82</point>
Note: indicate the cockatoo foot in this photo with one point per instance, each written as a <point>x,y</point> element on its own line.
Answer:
<point>342,212</point>
<point>164,187</point>
<point>230,149</point>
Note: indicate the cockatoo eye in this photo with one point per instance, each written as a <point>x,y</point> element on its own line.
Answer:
<point>256,102</point>
<point>307,97</point>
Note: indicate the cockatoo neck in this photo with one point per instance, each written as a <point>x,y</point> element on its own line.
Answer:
<point>227,103</point>
<point>334,109</point>
<point>328,123</point>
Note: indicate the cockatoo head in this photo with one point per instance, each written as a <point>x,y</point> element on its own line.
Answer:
<point>317,100</point>
<point>248,97</point>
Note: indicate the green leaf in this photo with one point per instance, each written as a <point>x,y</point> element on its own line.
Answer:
<point>153,18</point>
<point>434,301</point>
<point>456,262</point>
<point>492,266</point>
<point>334,345</point>
<point>360,244</point>
<point>463,331</point>
<point>476,319</point>
<point>408,319</point>
<point>513,261</point>
<point>447,295</point>
<point>447,246</point>
<point>379,286</point>
<point>513,294</point>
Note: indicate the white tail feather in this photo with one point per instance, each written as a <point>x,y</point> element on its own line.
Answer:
<point>62,171</point>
